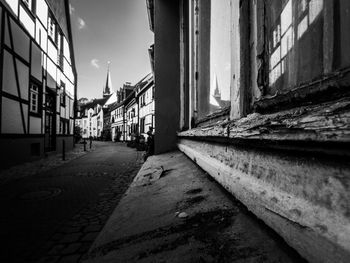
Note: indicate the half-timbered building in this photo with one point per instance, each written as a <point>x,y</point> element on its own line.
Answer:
<point>118,113</point>
<point>145,100</point>
<point>37,78</point>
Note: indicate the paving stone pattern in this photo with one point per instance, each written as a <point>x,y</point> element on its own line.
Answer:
<point>73,240</point>
<point>54,215</point>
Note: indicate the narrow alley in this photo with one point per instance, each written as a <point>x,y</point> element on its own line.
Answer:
<point>56,214</point>
<point>190,131</point>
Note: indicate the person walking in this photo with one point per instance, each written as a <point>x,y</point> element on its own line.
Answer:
<point>150,143</point>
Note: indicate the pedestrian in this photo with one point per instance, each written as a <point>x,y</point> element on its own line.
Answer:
<point>150,143</point>
<point>90,140</point>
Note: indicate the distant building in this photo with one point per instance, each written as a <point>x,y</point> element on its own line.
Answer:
<point>38,79</point>
<point>145,101</point>
<point>131,111</point>
<point>118,114</point>
<point>93,116</point>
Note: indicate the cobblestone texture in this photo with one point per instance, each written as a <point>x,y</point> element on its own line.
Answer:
<point>103,176</point>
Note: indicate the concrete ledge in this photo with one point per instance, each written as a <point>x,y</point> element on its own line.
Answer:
<point>174,212</point>
<point>306,201</point>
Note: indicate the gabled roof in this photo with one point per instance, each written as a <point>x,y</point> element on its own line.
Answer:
<point>94,102</point>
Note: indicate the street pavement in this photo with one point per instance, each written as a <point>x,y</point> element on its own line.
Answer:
<point>53,214</point>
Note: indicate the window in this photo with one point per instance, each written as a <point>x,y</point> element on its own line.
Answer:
<point>210,42</point>
<point>60,57</point>
<point>63,95</point>
<point>52,28</point>
<point>143,100</point>
<point>34,98</point>
<point>142,125</point>
<point>295,50</point>
<point>64,126</point>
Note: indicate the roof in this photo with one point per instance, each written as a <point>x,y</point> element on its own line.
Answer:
<point>148,82</point>
<point>58,8</point>
<point>94,102</point>
<point>139,85</point>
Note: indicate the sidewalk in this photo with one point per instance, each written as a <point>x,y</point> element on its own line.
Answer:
<point>173,212</point>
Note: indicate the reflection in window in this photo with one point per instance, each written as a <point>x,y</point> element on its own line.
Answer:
<point>308,11</point>
<point>282,40</point>
<point>282,32</point>
<point>220,54</point>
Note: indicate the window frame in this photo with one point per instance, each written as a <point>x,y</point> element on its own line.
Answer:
<point>39,96</point>
<point>52,21</point>
<point>253,82</point>
<point>64,127</point>
<point>318,89</point>
<point>63,94</point>
<point>196,83</point>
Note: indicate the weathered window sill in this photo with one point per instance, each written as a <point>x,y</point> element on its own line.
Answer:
<point>324,127</point>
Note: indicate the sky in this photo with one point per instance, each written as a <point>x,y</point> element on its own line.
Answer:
<point>110,30</point>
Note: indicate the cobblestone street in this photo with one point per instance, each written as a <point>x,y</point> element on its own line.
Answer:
<point>55,215</point>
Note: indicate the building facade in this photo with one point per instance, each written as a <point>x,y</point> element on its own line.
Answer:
<point>117,122</point>
<point>132,124</point>
<point>145,99</point>
<point>38,78</point>
<point>118,114</point>
<point>281,145</point>
<point>93,116</point>
<point>134,113</point>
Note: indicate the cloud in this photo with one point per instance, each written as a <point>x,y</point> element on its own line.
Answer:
<point>95,63</point>
<point>71,9</point>
<point>81,23</point>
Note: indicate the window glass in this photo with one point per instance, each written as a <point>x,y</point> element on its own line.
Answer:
<point>295,29</point>
<point>210,56</point>
<point>63,94</point>
<point>220,54</point>
<point>52,28</point>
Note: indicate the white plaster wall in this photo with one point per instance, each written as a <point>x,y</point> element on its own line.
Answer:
<point>27,21</point>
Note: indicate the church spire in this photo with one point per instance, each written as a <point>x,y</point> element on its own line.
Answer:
<point>108,88</point>
<point>217,93</point>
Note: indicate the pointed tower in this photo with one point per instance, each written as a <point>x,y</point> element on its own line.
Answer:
<point>217,93</point>
<point>108,89</point>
